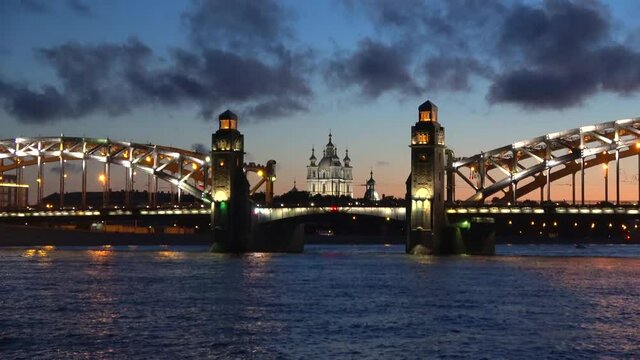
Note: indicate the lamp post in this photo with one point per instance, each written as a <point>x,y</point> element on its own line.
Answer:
<point>103,179</point>
<point>638,148</point>
<point>606,182</point>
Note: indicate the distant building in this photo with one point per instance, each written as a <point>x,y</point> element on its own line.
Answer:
<point>370,194</point>
<point>329,176</point>
<point>12,194</point>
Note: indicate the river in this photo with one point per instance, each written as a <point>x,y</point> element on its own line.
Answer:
<point>529,301</point>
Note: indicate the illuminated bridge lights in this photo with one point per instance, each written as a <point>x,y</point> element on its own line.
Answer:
<point>269,214</point>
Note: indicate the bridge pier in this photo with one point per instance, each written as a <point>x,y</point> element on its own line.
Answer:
<point>231,220</point>
<point>426,223</point>
<point>425,186</point>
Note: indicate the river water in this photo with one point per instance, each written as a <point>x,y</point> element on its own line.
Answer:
<point>341,302</point>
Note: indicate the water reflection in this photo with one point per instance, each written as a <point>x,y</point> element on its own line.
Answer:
<point>169,255</point>
<point>100,255</point>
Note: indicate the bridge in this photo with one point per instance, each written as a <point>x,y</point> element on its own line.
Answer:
<point>505,175</point>
<point>188,171</point>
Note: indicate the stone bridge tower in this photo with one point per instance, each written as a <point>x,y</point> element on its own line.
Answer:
<point>425,186</point>
<point>231,217</point>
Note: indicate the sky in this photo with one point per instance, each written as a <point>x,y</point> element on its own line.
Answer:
<point>161,71</point>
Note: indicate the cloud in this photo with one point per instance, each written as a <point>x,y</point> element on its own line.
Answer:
<point>68,168</point>
<point>241,25</point>
<point>200,148</point>
<point>453,73</point>
<point>554,54</point>
<point>79,7</point>
<point>562,53</point>
<point>375,68</point>
<point>116,78</point>
<point>382,163</point>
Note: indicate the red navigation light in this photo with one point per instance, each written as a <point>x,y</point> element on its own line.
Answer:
<point>334,208</point>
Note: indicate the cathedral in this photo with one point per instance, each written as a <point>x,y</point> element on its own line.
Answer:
<point>329,176</point>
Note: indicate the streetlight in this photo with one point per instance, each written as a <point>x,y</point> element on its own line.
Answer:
<point>638,148</point>
<point>103,179</point>
<point>606,182</point>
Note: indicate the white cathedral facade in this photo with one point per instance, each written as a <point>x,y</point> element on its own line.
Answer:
<point>330,177</point>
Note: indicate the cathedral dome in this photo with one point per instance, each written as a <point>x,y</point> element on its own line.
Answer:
<point>327,162</point>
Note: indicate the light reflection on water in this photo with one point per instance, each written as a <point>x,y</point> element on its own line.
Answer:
<point>331,301</point>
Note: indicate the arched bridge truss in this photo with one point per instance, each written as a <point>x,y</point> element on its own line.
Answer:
<point>188,171</point>
<point>512,171</point>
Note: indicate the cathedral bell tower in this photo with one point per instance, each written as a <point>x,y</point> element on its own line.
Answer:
<point>230,189</point>
<point>425,186</point>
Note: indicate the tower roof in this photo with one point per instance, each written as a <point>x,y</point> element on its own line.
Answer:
<point>228,115</point>
<point>329,143</point>
<point>371,181</point>
<point>427,106</point>
<point>313,154</point>
<point>346,156</point>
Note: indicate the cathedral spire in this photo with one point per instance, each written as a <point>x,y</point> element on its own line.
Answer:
<point>346,159</point>
<point>313,159</point>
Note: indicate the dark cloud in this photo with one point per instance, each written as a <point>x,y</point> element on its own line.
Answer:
<point>200,148</point>
<point>561,54</point>
<point>241,25</point>
<point>553,54</point>
<point>558,32</point>
<point>388,13</point>
<point>69,167</point>
<point>541,89</point>
<point>114,78</point>
<point>453,73</point>
<point>79,7</point>
<point>375,68</point>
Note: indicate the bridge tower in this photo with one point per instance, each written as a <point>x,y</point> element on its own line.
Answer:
<point>231,219</point>
<point>425,186</point>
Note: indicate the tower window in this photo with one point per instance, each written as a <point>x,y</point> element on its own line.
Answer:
<point>428,116</point>
<point>422,138</point>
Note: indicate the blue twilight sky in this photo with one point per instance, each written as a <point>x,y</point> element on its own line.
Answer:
<point>160,71</point>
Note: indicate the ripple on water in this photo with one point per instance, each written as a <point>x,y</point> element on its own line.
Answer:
<point>341,302</point>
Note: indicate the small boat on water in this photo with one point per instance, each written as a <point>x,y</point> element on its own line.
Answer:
<point>580,246</point>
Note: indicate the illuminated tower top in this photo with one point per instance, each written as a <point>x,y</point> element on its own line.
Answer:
<point>228,120</point>
<point>428,111</point>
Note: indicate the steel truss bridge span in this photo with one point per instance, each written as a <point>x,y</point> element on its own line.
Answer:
<point>189,171</point>
<point>538,162</point>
